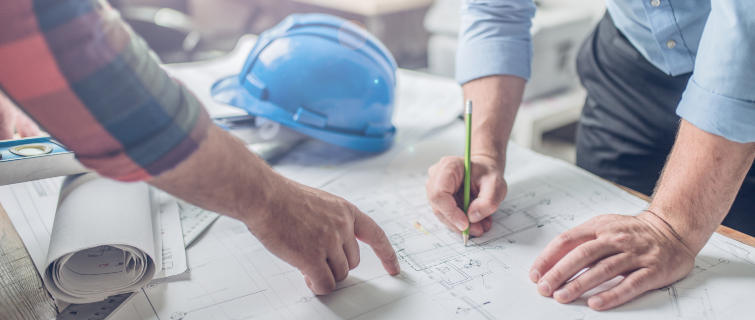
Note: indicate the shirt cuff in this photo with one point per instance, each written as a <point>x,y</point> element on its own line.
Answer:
<point>493,57</point>
<point>730,118</point>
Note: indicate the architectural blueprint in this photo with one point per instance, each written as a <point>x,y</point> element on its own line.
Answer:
<point>232,276</point>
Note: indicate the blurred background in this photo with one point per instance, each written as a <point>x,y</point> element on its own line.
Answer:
<point>421,34</point>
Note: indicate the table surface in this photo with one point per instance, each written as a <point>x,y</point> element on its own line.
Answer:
<point>24,297</point>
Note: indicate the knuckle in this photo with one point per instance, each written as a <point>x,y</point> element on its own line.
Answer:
<point>611,298</point>
<point>436,196</point>
<point>539,264</point>
<point>557,274</point>
<point>576,286</point>
<point>491,206</point>
<point>354,262</point>
<point>448,160</point>
<point>380,236</point>
<point>622,238</point>
<point>498,186</point>
<point>584,252</point>
<point>597,220</point>
<point>441,217</point>
<point>392,255</point>
<point>341,275</point>
<point>328,286</point>
<point>563,238</point>
<point>341,223</point>
<point>633,284</point>
<point>501,189</point>
<point>606,268</point>
<point>317,254</point>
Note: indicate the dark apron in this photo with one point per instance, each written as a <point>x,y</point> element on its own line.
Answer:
<point>629,121</point>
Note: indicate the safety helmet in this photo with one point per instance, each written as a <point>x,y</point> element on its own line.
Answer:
<point>322,76</point>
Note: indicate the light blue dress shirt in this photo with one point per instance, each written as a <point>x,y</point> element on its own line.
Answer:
<point>714,39</point>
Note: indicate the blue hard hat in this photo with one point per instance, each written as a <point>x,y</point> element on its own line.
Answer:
<point>322,76</point>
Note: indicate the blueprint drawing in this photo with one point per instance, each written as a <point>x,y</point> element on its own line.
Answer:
<point>232,276</point>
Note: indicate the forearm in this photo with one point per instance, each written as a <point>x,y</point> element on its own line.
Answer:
<point>699,183</point>
<point>496,100</point>
<point>223,176</point>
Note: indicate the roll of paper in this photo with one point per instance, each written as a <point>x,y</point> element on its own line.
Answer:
<point>105,239</point>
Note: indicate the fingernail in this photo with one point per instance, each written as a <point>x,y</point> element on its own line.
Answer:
<point>561,295</point>
<point>476,216</point>
<point>596,302</point>
<point>544,288</point>
<point>461,226</point>
<point>534,276</point>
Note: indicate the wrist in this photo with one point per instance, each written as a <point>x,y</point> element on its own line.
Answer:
<point>667,223</point>
<point>492,155</point>
<point>495,163</point>
<point>263,196</point>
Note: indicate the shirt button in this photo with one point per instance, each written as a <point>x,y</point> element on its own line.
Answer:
<point>671,44</point>
<point>655,3</point>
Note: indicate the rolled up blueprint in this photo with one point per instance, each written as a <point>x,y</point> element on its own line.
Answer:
<point>105,239</point>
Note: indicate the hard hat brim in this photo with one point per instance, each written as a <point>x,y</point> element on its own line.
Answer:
<point>230,91</point>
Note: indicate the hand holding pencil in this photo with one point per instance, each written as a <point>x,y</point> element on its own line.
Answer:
<point>445,190</point>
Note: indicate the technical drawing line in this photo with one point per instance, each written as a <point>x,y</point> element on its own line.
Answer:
<point>478,308</point>
<point>536,225</point>
<point>91,274</point>
<point>150,304</point>
<point>727,251</point>
<point>229,300</point>
<point>15,196</point>
<point>384,305</point>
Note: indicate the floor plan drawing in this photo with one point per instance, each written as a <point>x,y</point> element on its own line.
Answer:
<point>690,303</point>
<point>232,276</point>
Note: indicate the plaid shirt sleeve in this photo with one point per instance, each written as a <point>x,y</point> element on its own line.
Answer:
<point>82,74</point>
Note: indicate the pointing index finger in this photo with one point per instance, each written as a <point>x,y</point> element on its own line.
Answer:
<point>366,230</point>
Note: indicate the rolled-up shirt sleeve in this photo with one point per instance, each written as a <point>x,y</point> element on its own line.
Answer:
<point>720,95</point>
<point>82,74</point>
<point>494,39</point>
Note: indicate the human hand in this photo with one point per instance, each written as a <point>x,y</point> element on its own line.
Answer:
<point>644,249</point>
<point>445,193</point>
<point>315,232</point>
<point>12,119</point>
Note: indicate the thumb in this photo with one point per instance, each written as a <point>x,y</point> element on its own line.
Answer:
<point>492,191</point>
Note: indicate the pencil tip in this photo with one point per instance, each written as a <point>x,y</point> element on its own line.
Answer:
<point>466,237</point>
